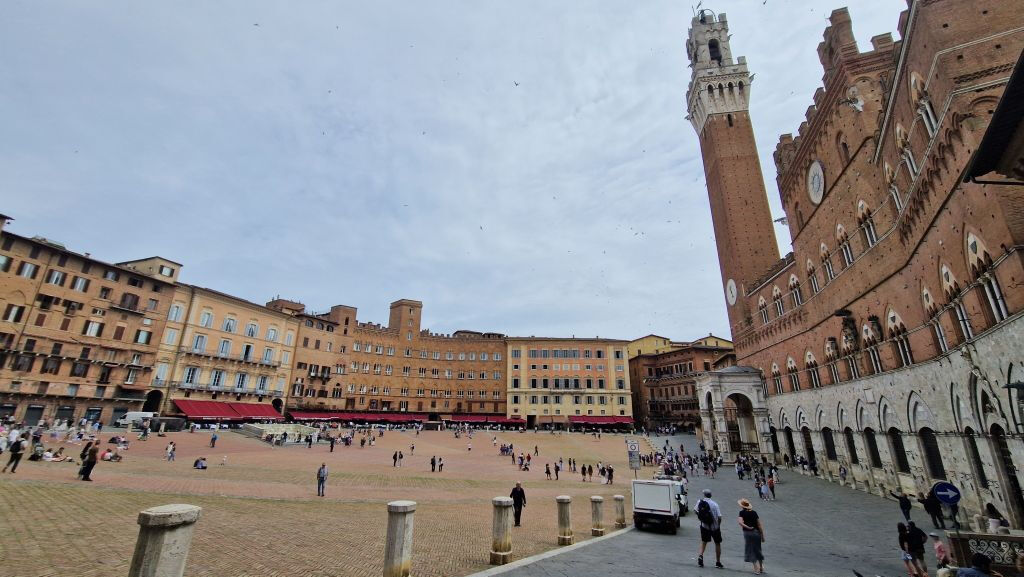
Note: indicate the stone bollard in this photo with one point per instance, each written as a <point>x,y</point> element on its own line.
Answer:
<point>398,547</point>
<point>565,536</point>
<point>165,535</point>
<point>597,512</point>
<point>620,511</point>
<point>501,541</point>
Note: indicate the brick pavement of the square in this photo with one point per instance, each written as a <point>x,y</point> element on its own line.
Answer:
<point>261,516</point>
<point>815,528</point>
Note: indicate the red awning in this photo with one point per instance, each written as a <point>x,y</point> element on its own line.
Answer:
<point>256,411</point>
<point>312,416</point>
<point>495,419</point>
<point>600,420</point>
<point>207,410</point>
<point>350,416</point>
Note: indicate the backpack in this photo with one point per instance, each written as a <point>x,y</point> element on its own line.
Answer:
<point>704,513</point>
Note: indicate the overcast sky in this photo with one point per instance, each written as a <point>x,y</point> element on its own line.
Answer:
<point>521,166</point>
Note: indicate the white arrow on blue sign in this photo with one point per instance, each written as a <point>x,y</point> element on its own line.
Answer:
<point>946,492</point>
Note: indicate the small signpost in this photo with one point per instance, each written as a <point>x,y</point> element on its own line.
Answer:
<point>633,448</point>
<point>948,494</point>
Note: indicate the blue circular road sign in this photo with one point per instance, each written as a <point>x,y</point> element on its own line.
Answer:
<point>946,492</point>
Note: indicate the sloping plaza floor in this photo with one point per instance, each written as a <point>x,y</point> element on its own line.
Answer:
<point>813,529</point>
<point>261,516</point>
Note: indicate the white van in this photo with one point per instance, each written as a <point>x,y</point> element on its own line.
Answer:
<point>134,417</point>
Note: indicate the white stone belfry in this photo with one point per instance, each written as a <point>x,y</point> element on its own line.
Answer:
<point>734,412</point>
<point>717,83</point>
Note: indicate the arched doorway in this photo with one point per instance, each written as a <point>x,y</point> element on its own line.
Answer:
<point>775,440</point>
<point>154,401</point>
<point>278,404</point>
<point>1004,461</point>
<point>805,432</point>
<point>739,423</point>
<point>790,445</point>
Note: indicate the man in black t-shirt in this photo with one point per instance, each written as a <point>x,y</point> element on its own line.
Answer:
<point>17,449</point>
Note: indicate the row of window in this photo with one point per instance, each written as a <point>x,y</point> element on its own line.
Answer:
<point>79,369</point>
<point>219,378</point>
<point>29,270</point>
<point>576,399</point>
<point>378,368</point>
<point>994,307</point>
<point>406,391</point>
<point>564,353</point>
<point>224,349</point>
<point>230,325</point>
<point>424,354</point>
<point>568,367</point>
<point>574,383</point>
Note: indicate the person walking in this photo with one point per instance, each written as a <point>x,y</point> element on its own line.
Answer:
<point>710,517</point>
<point>394,459</point>
<point>400,457</point>
<point>440,464</point>
<point>171,448</point>
<point>933,507</point>
<point>941,553</point>
<point>917,540</point>
<point>321,480</point>
<point>905,504</point>
<point>558,467</point>
<point>17,449</point>
<point>90,463</point>
<point>903,536</point>
<point>332,441</point>
<point>518,501</point>
<point>753,535</point>
<point>547,470</point>
<point>412,449</point>
<point>213,439</point>
<point>433,464</point>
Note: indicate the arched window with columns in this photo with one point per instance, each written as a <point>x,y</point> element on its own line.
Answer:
<point>980,263</point>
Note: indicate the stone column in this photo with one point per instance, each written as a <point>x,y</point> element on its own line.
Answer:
<point>165,535</point>
<point>597,513</point>
<point>501,540</point>
<point>565,536</point>
<point>398,547</point>
<point>620,511</point>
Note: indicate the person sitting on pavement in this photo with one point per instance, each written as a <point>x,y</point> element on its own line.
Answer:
<point>200,463</point>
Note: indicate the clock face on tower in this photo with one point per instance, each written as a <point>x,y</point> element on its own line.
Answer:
<point>815,181</point>
<point>730,292</point>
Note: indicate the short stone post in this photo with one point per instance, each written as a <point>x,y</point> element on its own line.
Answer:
<point>620,511</point>
<point>165,535</point>
<point>565,536</point>
<point>129,430</point>
<point>501,540</point>
<point>163,427</point>
<point>398,546</point>
<point>597,512</point>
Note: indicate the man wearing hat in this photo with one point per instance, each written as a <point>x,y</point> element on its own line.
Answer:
<point>710,517</point>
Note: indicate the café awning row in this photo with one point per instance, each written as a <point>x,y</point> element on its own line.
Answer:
<point>600,420</point>
<point>495,419</point>
<point>339,416</point>
<point>256,411</point>
<point>216,411</point>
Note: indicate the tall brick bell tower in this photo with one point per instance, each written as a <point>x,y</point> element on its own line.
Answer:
<point>717,104</point>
